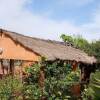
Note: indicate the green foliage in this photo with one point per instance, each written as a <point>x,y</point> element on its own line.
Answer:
<point>31,89</point>
<point>93,90</point>
<point>82,43</point>
<point>55,83</point>
<point>96,49</point>
<point>31,92</point>
<point>9,87</point>
<point>58,81</point>
<point>77,41</point>
<point>88,94</point>
<point>67,38</point>
<point>95,84</point>
<point>33,73</point>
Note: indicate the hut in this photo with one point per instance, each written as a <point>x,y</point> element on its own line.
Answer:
<point>28,50</point>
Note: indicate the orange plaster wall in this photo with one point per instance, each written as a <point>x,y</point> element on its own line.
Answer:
<point>12,50</point>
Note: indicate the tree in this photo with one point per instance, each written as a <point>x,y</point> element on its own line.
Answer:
<point>67,38</point>
<point>96,49</point>
<point>77,41</point>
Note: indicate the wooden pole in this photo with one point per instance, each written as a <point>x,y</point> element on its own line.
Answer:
<point>42,81</point>
<point>11,66</point>
<point>21,71</point>
<point>2,66</point>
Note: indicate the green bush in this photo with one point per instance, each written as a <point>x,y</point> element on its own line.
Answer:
<point>58,80</point>
<point>9,88</point>
<point>93,90</point>
<point>95,84</point>
<point>31,92</point>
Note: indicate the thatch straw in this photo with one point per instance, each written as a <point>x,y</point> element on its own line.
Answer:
<point>52,50</point>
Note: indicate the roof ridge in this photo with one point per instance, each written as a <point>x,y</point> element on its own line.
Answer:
<point>36,38</point>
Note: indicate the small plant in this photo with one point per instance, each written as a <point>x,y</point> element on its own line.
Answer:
<point>88,94</point>
<point>10,88</point>
<point>31,92</point>
<point>92,92</point>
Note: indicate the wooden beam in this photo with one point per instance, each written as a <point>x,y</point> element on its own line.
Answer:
<point>11,66</point>
<point>2,66</point>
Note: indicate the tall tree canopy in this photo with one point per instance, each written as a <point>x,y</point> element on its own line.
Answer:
<point>96,49</point>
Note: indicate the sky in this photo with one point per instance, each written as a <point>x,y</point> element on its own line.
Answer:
<point>49,19</point>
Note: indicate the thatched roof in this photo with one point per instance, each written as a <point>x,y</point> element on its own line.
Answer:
<point>52,50</point>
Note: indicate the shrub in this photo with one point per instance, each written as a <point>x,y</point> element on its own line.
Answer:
<point>58,81</point>
<point>93,90</point>
<point>10,88</point>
